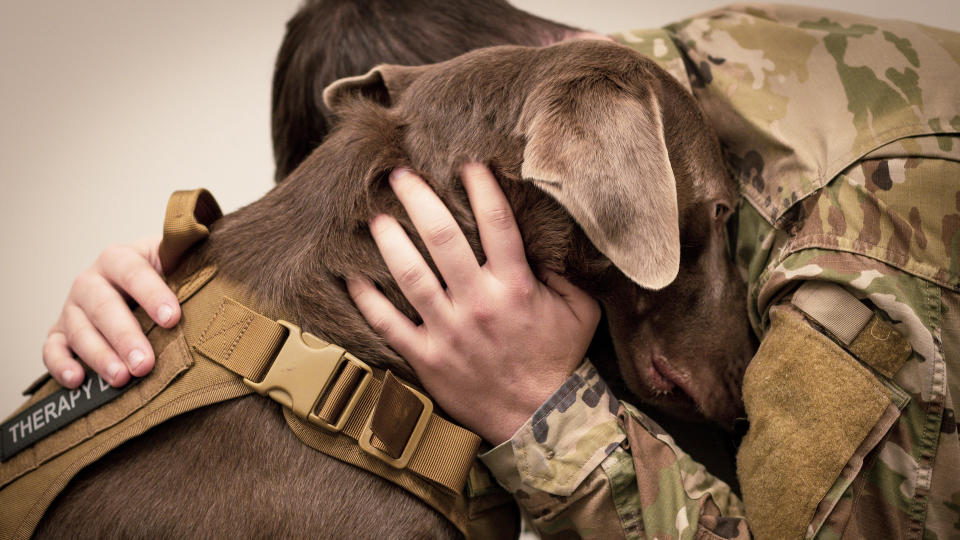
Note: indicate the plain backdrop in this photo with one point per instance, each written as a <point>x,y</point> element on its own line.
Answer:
<point>106,106</point>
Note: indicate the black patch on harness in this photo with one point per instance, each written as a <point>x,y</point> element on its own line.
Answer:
<point>55,411</point>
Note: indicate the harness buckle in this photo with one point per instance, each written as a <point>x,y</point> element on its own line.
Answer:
<point>413,441</point>
<point>303,371</point>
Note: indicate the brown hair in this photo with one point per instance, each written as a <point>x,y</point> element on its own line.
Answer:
<point>330,39</point>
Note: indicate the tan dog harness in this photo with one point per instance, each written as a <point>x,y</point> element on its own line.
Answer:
<point>223,349</point>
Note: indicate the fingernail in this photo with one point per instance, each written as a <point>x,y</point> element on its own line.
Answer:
<point>112,371</point>
<point>67,376</point>
<point>164,313</point>
<point>136,358</point>
<point>399,172</point>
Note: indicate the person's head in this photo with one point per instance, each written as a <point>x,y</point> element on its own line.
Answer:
<point>331,39</point>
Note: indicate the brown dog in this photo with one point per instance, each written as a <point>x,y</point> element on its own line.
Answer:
<point>636,198</point>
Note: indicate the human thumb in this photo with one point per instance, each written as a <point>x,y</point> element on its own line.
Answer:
<point>584,306</point>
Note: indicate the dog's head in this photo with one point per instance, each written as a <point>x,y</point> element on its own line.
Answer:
<point>624,151</point>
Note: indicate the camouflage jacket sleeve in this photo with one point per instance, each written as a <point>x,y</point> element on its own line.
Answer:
<point>590,465</point>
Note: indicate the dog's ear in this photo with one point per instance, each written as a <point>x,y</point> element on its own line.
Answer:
<point>600,151</point>
<point>382,84</point>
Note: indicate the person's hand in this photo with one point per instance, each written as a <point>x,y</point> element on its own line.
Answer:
<point>497,342</point>
<point>97,324</point>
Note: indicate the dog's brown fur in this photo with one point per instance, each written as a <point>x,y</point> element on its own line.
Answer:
<point>293,246</point>
<point>234,470</point>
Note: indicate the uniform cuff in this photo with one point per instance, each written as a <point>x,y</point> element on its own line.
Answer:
<point>568,437</point>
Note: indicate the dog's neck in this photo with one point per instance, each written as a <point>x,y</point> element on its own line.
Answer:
<point>292,247</point>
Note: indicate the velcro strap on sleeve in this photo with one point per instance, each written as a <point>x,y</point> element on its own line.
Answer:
<point>881,346</point>
<point>189,215</point>
<point>833,308</point>
<point>868,337</point>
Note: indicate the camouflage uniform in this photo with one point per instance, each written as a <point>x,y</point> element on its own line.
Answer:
<point>843,133</point>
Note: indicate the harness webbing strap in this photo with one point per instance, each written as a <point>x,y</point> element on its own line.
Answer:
<point>340,394</point>
<point>444,454</point>
<point>388,419</point>
<point>241,340</point>
<point>189,214</point>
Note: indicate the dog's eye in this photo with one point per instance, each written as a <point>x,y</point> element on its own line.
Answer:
<point>720,211</point>
<point>730,238</point>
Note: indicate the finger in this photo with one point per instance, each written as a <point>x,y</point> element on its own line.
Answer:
<point>440,232</point>
<point>110,316</point>
<point>414,277</point>
<point>92,349</point>
<point>133,274</point>
<point>59,361</point>
<point>149,249</point>
<point>499,233</point>
<point>385,319</point>
<point>583,306</point>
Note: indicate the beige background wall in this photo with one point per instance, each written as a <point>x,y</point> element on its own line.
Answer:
<point>106,106</point>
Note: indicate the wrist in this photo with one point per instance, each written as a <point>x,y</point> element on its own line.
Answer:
<point>506,417</point>
<point>508,423</point>
<point>564,440</point>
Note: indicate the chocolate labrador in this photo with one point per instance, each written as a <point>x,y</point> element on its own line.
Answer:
<point>616,182</point>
